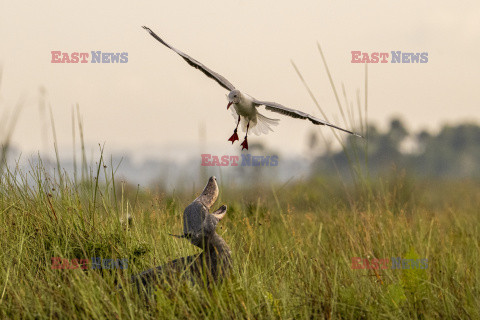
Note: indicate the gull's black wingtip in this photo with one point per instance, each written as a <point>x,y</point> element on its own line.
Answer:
<point>356,134</point>
<point>148,29</point>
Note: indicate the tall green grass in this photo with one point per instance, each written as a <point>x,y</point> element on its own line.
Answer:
<point>292,249</point>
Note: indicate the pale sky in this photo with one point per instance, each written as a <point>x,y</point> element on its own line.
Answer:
<point>156,101</point>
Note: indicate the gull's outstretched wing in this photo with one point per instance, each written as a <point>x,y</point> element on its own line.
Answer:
<point>194,63</point>
<point>278,108</point>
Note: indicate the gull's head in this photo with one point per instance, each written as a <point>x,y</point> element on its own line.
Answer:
<point>234,97</point>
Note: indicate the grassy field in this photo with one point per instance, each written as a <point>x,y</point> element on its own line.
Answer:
<point>292,249</point>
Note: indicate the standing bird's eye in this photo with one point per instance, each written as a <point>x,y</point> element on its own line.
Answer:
<point>235,96</point>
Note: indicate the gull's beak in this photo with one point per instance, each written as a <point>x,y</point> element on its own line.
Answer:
<point>229,104</point>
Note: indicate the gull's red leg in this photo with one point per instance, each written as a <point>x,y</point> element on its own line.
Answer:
<point>245,142</point>
<point>234,136</point>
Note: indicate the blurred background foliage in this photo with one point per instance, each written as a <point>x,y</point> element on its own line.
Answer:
<point>452,153</point>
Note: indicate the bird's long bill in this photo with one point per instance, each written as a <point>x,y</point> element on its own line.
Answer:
<point>229,104</point>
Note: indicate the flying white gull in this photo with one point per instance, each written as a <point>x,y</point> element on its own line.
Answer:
<point>244,106</point>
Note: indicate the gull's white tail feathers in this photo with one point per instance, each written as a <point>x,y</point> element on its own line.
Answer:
<point>258,126</point>
<point>261,125</point>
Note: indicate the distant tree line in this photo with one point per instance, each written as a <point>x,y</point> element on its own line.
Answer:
<point>454,152</point>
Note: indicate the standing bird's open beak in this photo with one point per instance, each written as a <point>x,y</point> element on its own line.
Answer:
<point>229,104</point>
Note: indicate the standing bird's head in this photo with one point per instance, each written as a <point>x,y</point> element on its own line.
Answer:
<point>210,193</point>
<point>234,97</point>
<point>198,223</point>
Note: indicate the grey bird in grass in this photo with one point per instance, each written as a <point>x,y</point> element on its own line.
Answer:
<point>244,106</point>
<point>199,227</point>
